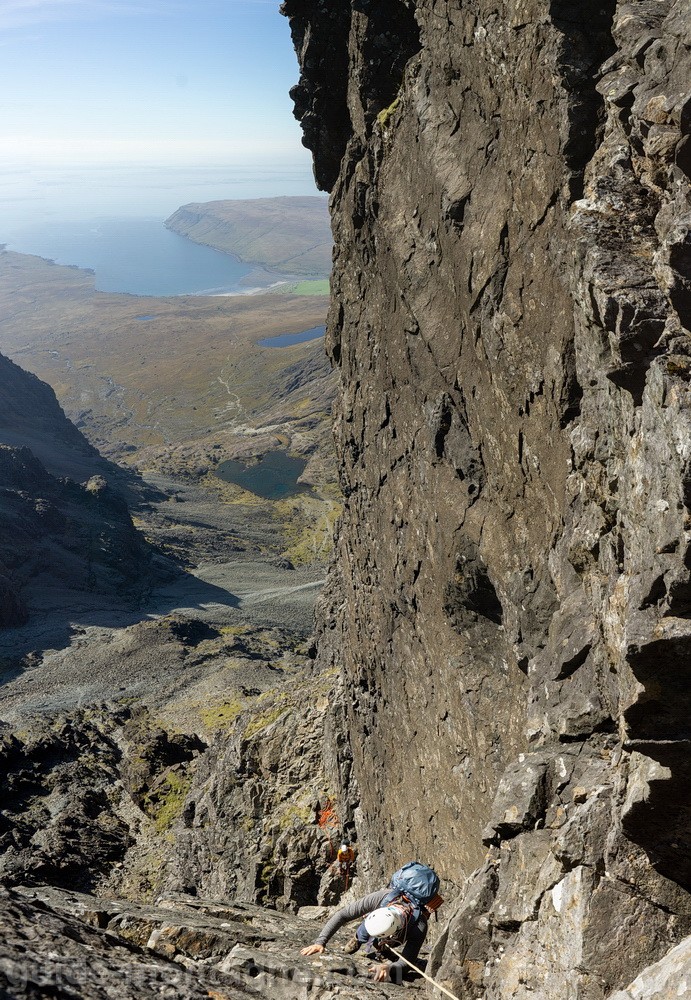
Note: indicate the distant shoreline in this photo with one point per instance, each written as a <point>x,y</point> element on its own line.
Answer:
<point>287,236</point>
<point>133,257</point>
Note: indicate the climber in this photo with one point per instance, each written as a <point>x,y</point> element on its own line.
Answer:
<point>381,924</point>
<point>396,915</point>
<point>345,855</point>
<point>344,861</point>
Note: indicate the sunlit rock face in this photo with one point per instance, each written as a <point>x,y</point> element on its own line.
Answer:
<point>181,946</point>
<point>510,602</point>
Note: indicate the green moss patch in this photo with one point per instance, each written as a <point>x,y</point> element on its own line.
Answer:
<point>169,799</point>
<point>385,115</point>
<point>266,716</point>
<point>221,716</point>
<point>309,525</point>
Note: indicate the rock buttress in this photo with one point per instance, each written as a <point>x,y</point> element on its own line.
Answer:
<point>509,605</point>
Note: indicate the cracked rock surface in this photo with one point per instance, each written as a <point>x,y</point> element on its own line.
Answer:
<point>65,944</point>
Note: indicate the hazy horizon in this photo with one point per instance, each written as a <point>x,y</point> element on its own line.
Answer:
<point>126,111</point>
<point>76,193</point>
<point>175,82</point>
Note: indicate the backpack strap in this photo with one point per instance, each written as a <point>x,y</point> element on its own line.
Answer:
<point>414,910</point>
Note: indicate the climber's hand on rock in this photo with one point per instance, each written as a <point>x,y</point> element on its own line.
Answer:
<point>380,972</point>
<point>312,949</point>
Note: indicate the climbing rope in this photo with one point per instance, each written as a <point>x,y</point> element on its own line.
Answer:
<point>328,822</point>
<point>423,974</point>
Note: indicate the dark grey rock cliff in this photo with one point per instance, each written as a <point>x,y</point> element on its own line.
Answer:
<point>509,606</point>
<point>63,542</point>
<point>31,417</point>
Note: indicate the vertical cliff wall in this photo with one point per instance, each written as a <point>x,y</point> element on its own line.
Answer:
<point>511,600</point>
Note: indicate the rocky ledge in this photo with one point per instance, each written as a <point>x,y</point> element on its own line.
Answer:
<point>64,944</point>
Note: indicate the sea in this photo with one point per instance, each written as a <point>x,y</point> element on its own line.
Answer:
<point>111,221</point>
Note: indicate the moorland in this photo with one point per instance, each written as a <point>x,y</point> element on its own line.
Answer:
<point>172,387</point>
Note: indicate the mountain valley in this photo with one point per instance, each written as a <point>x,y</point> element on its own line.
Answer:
<point>150,653</point>
<point>488,666</point>
<point>174,387</point>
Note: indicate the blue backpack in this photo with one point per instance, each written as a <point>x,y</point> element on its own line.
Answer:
<point>416,882</point>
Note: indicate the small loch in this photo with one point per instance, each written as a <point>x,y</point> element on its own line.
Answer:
<point>288,339</point>
<point>274,477</point>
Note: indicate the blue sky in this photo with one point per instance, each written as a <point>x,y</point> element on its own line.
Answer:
<point>175,82</point>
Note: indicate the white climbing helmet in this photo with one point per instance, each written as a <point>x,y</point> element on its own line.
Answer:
<point>387,921</point>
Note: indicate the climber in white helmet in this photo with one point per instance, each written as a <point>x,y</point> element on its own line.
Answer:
<point>389,919</point>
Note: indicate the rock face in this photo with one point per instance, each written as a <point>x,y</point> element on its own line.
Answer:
<point>183,947</point>
<point>108,801</point>
<point>134,799</point>
<point>259,823</point>
<point>511,313</point>
<point>31,417</point>
<point>57,824</point>
<point>58,535</point>
<point>86,962</point>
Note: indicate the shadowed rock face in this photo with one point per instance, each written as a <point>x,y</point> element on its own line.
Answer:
<point>510,599</point>
<point>61,542</point>
<point>30,416</point>
<point>62,538</point>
